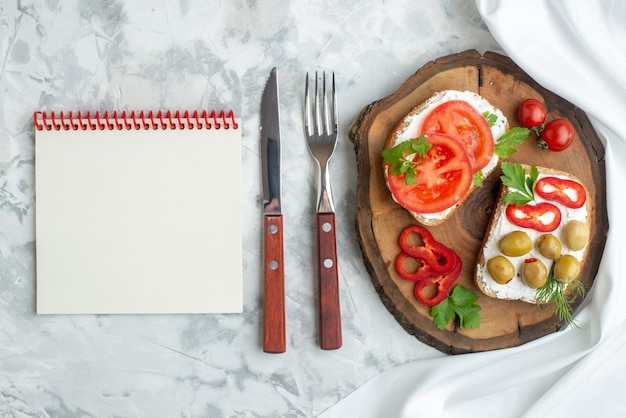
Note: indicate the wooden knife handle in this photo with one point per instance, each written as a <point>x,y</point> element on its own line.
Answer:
<point>274,286</point>
<point>330,314</point>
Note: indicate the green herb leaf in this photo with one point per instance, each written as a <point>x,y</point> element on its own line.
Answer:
<point>515,177</point>
<point>403,157</point>
<point>552,291</point>
<point>411,177</point>
<point>421,145</point>
<point>462,296</point>
<point>491,118</point>
<point>516,198</point>
<point>468,316</point>
<point>532,178</point>
<point>505,145</point>
<point>461,302</point>
<point>477,179</point>
<point>442,313</point>
<point>393,154</point>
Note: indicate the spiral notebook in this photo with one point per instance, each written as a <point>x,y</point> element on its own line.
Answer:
<point>138,212</point>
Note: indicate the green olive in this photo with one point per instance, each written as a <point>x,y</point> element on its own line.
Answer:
<point>535,273</point>
<point>549,246</point>
<point>515,243</point>
<point>566,269</point>
<point>576,235</point>
<point>501,269</point>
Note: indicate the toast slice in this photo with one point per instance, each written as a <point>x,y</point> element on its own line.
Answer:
<point>410,127</point>
<point>499,226</point>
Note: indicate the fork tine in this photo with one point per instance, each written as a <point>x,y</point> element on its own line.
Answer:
<point>335,113</point>
<point>330,107</point>
<point>318,115</point>
<point>325,100</point>
<point>307,107</point>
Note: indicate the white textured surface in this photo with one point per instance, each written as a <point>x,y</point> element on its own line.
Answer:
<point>106,55</point>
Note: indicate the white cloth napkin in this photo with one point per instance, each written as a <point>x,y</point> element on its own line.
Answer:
<point>577,49</point>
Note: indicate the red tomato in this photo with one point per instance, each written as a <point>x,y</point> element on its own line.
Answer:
<point>443,177</point>
<point>460,120</point>
<point>567,192</point>
<point>531,113</point>
<point>542,217</point>
<point>557,135</point>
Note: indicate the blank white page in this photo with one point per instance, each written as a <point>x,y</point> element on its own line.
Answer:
<point>138,221</point>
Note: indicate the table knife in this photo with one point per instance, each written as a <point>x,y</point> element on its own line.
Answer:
<point>274,284</point>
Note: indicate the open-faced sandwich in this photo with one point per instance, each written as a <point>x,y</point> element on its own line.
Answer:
<point>537,239</point>
<point>441,151</point>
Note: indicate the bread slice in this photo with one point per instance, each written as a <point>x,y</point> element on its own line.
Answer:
<point>499,226</point>
<point>410,127</point>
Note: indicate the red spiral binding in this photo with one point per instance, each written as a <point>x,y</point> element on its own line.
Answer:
<point>133,120</point>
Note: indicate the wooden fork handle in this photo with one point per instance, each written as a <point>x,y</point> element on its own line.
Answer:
<point>274,286</point>
<point>330,314</point>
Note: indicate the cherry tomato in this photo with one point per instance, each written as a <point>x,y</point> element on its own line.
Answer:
<point>542,217</point>
<point>557,135</point>
<point>443,178</point>
<point>461,120</point>
<point>531,113</point>
<point>567,192</point>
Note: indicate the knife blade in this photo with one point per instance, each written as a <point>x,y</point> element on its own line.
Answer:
<point>273,283</point>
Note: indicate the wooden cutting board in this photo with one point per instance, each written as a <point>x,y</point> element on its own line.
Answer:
<point>379,220</point>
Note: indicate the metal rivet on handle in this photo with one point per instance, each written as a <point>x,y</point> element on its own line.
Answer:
<point>328,263</point>
<point>327,227</point>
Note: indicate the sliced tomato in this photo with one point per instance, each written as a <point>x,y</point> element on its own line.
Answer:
<point>461,120</point>
<point>443,177</point>
<point>567,192</point>
<point>542,217</point>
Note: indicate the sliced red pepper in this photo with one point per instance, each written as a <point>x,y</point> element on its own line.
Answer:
<point>542,217</point>
<point>443,283</point>
<point>567,192</point>
<point>422,272</point>
<point>439,266</point>
<point>433,254</point>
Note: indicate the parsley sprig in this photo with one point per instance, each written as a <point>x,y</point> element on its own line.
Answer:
<point>405,156</point>
<point>515,177</point>
<point>477,178</point>
<point>461,302</point>
<point>552,291</point>
<point>505,145</point>
<point>491,118</point>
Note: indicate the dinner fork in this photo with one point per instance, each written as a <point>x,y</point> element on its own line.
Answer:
<point>320,125</point>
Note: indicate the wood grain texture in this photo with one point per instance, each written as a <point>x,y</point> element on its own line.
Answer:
<point>274,286</point>
<point>329,309</point>
<point>379,220</point>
